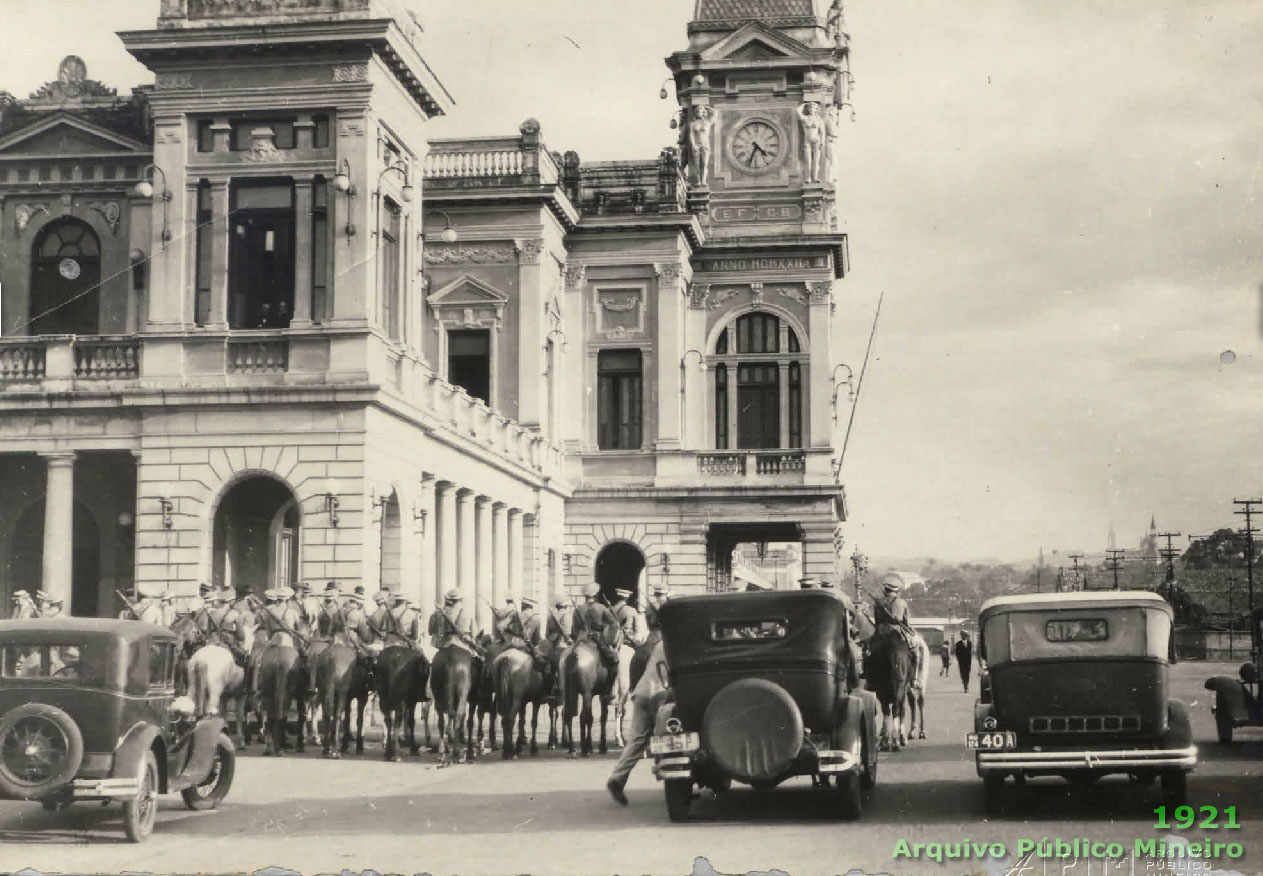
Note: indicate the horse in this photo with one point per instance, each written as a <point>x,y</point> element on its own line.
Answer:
<point>916,689</point>
<point>888,670</point>
<point>451,679</point>
<point>399,675</point>
<point>191,637</point>
<point>482,696</point>
<point>585,674</point>
<point>282,679</point>
<point>340,676</point>
<point>519,681</point>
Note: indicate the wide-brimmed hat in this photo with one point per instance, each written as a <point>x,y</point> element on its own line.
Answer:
<point>302,587</point>
<point>359,590</point>
<point>560,603</point>
<point>271,594</point>
<point>594,590</point>
<point>54,600</point>
<point>622,593</point>
<point>527,602</point>
<point>660,590</point>
<point>19,595</point>
<point>149,590</point>
<point>284,593</point>
<point>357,598</point>
<point>452,596</point>
<point>400,598</point>
<point>218,596</point>
<point>332,589</point>
<point>204,588</point>
<point>807,584</point>
<point>892,582</point>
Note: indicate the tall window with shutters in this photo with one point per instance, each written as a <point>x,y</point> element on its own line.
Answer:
<point>620,414</point>
<point>758,372</point>
<point>388,313</point>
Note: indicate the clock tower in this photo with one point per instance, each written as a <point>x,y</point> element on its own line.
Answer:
<point>762,88</point>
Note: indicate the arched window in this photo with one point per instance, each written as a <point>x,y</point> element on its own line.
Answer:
<point>65,275</point>
<point>763,356</point>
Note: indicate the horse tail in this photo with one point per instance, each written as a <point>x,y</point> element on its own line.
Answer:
<point>569,682</point>
<point>197,685</point>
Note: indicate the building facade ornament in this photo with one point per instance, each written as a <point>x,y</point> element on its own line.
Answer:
<point>756,295</point>
<point>24,213</point>
<point>529,250</point>
<point>717,299</point>
<point>351,128</point>
<point>669,273</point>
<point>263,149</point>
<point>350,73</point>
<point>110,211</point>
<point>792,294</point>
<point>821,291</point>
<point>173,81</point>
<point>477,255</point>
<point>574,276</point>
<point>699,294</point>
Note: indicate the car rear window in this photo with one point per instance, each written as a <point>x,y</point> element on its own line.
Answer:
<point>63,661</point>
<point>745,630</point>
<point>1093,629</point>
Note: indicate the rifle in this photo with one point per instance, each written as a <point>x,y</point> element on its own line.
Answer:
<point>462,636</point>
<point>561,629</point>
<point>274,619</point>
<point>131,606</point>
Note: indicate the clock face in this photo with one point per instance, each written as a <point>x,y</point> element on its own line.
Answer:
<point>757,145</point>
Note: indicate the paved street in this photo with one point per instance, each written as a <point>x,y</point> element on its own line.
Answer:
<point>552,815</point>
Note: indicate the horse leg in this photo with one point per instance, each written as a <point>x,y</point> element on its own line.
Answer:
<point>425,724</point>
<point>410,717</point>
<point>388,717</point>
<point>520,742</point>
<point>506,724</point>
<point>605,710</point>
<point>300,700</point>
<point>534,727</point>
<point>585,725</point>
<point>552,726</point>
<point>442,735</point>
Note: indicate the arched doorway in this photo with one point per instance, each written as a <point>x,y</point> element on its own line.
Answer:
<point>392,542</point>
<point>619,566</point>
<point>26,558</point>
<point>65,275</point>
<point>257,536</point>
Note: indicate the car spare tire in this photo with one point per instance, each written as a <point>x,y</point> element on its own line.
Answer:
<point>753,729</point>
<point>41,749</point>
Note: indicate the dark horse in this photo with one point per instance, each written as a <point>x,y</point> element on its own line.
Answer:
<point>399,675</point>
<point>282,679</point>
<point>451,681</point>
<point>342,676</point>
<point>888,671</point>
<point>519,681</point>
<point>585,677</point>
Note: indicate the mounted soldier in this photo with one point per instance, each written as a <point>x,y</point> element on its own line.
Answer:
<point>501,619</point>
<point>379,616</point>
<point>195,605</point>
<point>221,624</point>
<point>148,608</point>
<point>167,601</point>
<point>342,622</point>
<point>308,605</point>
<point>655,602</point>
<point>629,619</point>
<point>280,618</point>
<point>403,623</point>
<point>891,610</point>
<point>357,595</point>
<point>601,627</point>
<point>451,625</point>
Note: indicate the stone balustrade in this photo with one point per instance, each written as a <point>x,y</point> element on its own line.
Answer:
<point>21,361</point>
<point>499,162</point>
<point>258,355</point>
<point>107,358</point>
<point>489,161</point>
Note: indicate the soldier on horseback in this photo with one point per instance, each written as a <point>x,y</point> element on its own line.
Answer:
<point>597,624</point>
<point>339,622</point>
<point>280,618</point>
<point>522,630</point>
<point>450,625</point>
<point>148,608</point>
<point>404,622</point>
<point>222,624</point>
<point>559,629</point>
<point>629,619</point>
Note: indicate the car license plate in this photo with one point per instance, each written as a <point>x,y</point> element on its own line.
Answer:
<point>676,742</point>
<point>993,740</point>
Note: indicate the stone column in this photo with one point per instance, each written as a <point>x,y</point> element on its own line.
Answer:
<point>500,555</point>
<point>428,580</point>
<point>445,536</point>
<point>218,316</point>
<point>516,558</point>
<point>483,563</point>
<point>466,550</point>
<point>782,377</point>
<point>301,317</point>
<point>670,317</point>
<point>59,497</point>
<point>530,333</point>
<point>819,425</point>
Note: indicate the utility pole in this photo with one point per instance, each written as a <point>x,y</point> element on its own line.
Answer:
<point>1115,561</point>
<point>1169,554</point>
<point>1249,507</point>
<point>1061,578</point>
<point>1075,559</point>
<point>1232,619</point>
<point>860,562</point>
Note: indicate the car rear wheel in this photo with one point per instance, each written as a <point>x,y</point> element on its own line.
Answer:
<point>41,749</point>
<point>212,789</point>
<point>847,795</point>
<point>140,811</point>
<point>1175,788</point>
<point>679,797</point>
<point>1223,726</point>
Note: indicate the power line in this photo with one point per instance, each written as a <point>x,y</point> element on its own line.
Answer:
<point>1114,562</point>
<point>1169,554</point>
<point>1249,507</point>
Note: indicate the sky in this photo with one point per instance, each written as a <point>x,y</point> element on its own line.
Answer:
<point>1057,203</point>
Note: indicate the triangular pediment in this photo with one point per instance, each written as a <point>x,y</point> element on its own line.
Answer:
<point>63,133</point>
<point>467,291</point>
<point>756,42</point>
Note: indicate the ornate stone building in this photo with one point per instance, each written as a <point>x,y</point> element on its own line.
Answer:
<point>259,327</point>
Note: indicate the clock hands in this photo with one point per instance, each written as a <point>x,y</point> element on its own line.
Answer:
<point>754,146</point>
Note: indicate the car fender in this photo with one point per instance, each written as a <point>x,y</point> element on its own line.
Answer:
<point>199,752</point>
<point>1230,697</point>
<point>851,723</point>
<point>1179,732</point>
<point>132,748</point>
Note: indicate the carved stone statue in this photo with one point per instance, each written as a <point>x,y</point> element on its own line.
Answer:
<point>836,25</point>
<point>830,141</point>
<point>700,125</point>
<point>813,138</point>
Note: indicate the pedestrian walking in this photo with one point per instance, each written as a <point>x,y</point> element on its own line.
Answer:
<point>945,654</point>
<point>649,692</point>
<point>964,658</point>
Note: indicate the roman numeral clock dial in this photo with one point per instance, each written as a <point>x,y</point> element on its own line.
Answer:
<point>756,146</point>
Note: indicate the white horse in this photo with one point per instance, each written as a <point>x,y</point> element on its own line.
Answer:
<point>916,690</point>
<point>213,677</point>
<point>622,689</point>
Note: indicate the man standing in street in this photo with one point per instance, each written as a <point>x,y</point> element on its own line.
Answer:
<point>646,697</point>
<point>945,653</point>
<point>964,658</point>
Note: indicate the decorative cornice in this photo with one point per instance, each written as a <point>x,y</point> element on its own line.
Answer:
<point>574,276</point>
<point>350,73</point>
<point>110,211</point>
<point>699,294</point>
<point>820,291</point>
<point>477,255</point>
<point>173,81</point>
<point>24,213</point>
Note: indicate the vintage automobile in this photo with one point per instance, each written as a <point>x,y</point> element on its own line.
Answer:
<point>1076,686</point>
<point>86,714</point>
<point>1237,701</point>
<point>762,686</point>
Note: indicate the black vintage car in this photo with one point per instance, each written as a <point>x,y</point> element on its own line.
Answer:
<point>1076,686</point>
<point>1237,700</point>
<point>86,714</point>
<point>762,686</point>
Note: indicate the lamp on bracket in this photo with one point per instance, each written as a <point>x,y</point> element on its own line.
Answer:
<point>418,519</point>
<point>564,344</point>
<point>663,94</point>
<point>342,183</point>
<point>145,189</point>
<point>330,490</point>
<point>166,504</point>
<point>405,193</point>
<point>701,365</point>
<point>850,387</point>
<point>448,234</point>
